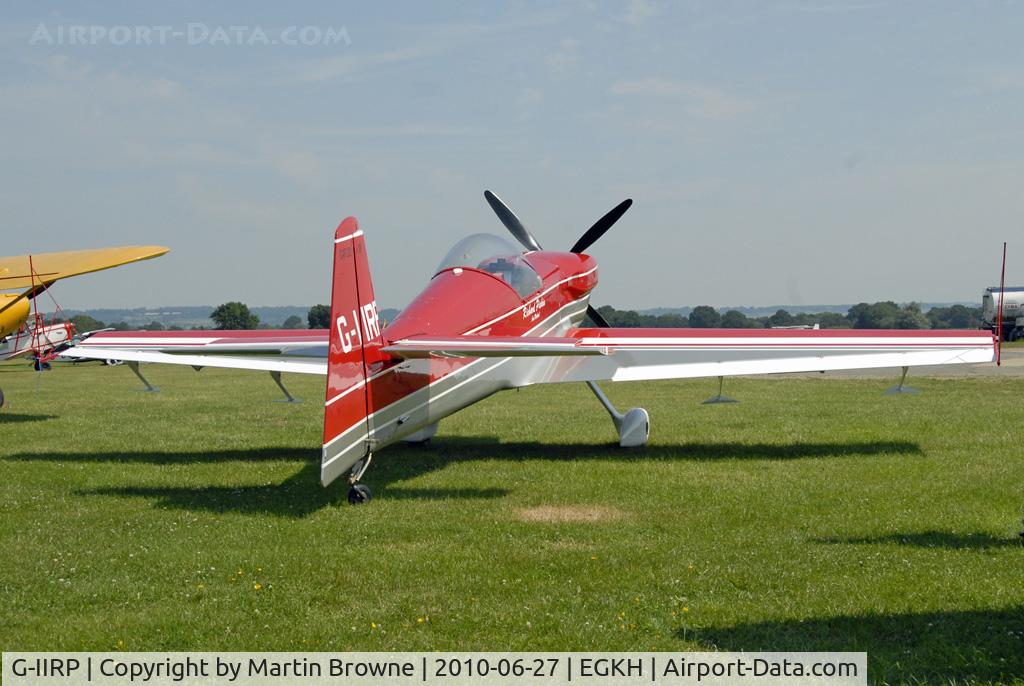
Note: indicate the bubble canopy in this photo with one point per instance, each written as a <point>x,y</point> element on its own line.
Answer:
<point>495,255</point>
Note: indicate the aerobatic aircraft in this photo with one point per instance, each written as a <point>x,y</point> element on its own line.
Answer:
<point>494,317</point>
<point>24,331</point>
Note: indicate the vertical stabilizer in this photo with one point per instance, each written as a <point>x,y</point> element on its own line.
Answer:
<point>354,323</point>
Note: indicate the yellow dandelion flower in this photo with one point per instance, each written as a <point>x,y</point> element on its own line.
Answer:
<point>257,586</point>
<point>686,609</point>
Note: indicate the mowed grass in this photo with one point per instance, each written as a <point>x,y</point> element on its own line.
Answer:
<point>816,514</point>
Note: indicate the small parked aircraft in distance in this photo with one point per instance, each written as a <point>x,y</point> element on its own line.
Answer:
<point>495,317</point>
<point>24,331</point>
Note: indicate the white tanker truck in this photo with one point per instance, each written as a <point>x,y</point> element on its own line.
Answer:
<point>1013,311</point>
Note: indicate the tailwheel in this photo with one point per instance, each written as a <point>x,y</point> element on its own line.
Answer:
<point>359,494</point>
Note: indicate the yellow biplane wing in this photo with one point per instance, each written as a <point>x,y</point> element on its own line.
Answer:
<point>32,276</point>
<point>47,267</point>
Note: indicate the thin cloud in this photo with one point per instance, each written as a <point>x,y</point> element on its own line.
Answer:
<point>701,101</point>
<point>639,11</point>
<point>342,66</point>
<point>528,102</point>
<point>563,62</point>
<point>426,41</point>
<point>410,129</point>
<point>815,7</point>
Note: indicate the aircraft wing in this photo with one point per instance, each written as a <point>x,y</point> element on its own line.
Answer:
<point>601,354</point>
<point>581,355</point>
<point>18,273</point>
<point>645,354</point>
<point>299,351</point>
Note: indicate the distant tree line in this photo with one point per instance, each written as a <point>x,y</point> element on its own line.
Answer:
<point>230,315</point>
<point>879,315</point>
<point>84,323</point>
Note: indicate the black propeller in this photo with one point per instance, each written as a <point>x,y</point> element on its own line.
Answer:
<point>600,226</point>
<point>511,222</point>
<point>596,317</point>
<point>523,235</point>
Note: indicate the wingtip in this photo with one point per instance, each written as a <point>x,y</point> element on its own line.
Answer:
<point>148,252</point>
<point>143,252</point>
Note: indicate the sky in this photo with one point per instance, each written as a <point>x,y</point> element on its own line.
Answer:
<point>777,152</point>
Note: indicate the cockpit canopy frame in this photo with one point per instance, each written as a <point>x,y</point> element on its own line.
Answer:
<point>496,256</point>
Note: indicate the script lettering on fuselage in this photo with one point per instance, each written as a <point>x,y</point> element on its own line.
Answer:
<point>368,324</point>
<point>531,310</point>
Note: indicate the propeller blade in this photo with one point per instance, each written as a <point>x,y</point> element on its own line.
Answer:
<point>599,227</point>
<point>596,317</point>
<point>523,235</point>
<point>511,222</point>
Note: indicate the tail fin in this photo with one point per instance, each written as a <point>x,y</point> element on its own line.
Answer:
<point>354,324</point>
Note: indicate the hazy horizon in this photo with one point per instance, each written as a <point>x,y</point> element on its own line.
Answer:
<point>825,307</point>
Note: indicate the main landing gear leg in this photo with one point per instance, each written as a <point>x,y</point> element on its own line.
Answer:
<point>288,397</point>
<point>150,388</point>
<point>359,493</point>
<point>718,397</point>
<point>901,387</point>
<point>634,427</point>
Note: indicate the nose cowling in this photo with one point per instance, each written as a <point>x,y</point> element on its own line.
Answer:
<point>15,310</point>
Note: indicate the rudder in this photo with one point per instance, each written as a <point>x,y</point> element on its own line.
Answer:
<point>354,323</point>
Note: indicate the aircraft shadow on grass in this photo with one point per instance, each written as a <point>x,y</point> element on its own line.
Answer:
<point>298,496</point>
<point>948,646</point>
<point>933,539</point>
<point>162,457</point>
<point>11,418</point>
<point>301,495</point>
<point>490,447</point>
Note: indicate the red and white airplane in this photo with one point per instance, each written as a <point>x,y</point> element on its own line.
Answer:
<point>496,317</point>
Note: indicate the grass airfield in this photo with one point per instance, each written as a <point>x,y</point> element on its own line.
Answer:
<point>816,514</point>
